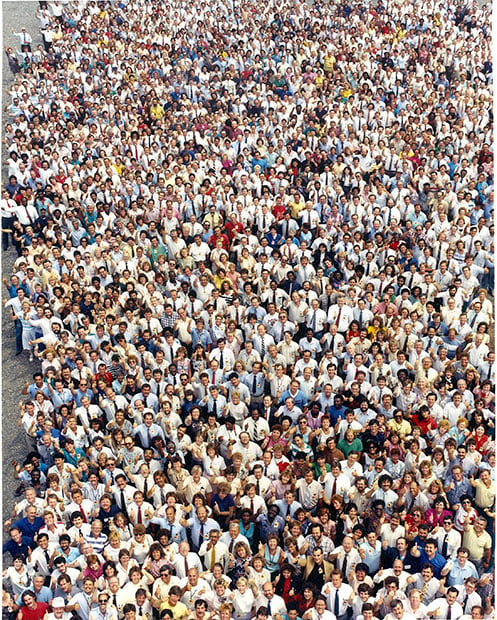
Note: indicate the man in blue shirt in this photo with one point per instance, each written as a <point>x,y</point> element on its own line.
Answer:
<point>461,569</point>
<point>431,556</point>
<point>30,524</point>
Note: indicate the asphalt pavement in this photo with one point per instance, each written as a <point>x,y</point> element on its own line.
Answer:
<point>15,369</point>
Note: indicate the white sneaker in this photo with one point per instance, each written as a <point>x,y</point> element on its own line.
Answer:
<point>31,358</point>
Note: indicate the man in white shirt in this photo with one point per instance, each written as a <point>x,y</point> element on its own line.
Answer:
<point>339,595</point>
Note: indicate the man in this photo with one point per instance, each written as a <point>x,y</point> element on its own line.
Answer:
<point>185,559</point>
<point>193,588</point>
<point>83,602</point>
<point>319,611</point>
<point>478,542</point>
<point>213,550</point>
<point>316,568</point>
<point>430,555</point>
<point>31,608</point>
<point>346,557</point>
<point>447,607</point>
<point>317,539</point>
<point>339,595</point>
<point>426,583</point>
<point>461,569</point>
<point>398,611</point>
<point>104,611</point>
<point>274,604</point>
<point>447,537</point>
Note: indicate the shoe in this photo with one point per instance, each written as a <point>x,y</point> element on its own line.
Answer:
<point>31,358</point>
<point>18,352</point>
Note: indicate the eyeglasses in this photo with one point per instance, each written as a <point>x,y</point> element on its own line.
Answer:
<point>103,600</point>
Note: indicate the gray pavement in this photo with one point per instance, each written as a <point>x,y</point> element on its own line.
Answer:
<point>15,369</point>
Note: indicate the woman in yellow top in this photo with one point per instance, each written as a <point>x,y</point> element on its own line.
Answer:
<point>156,111</point>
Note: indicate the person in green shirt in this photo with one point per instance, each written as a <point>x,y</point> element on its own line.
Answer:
<point>350,443</point>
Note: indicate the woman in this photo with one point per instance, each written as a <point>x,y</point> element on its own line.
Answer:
<point>121,525</point>
<point>239,561</point>
<point>274,555</point>
<point>19,575</point>
<point>425,476</point>
<point>156,559</point>
<point>287,584</point>
<point>257,573</point>
<point>305,600</point>
<point>436,515</point>
<point>243,599</point>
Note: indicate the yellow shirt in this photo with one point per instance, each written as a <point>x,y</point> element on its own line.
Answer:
<point>180,610</point>
<point>296,208</point>
<point>485,497</point>
<point>328,63</point>
<point>476,544</point>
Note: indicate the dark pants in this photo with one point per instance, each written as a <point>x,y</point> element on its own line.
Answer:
<point>6,224</point>
<point>18,326</point>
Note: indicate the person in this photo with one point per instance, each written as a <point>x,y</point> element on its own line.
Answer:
<point>223,209</point>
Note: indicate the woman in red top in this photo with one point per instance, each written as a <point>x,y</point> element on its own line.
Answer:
<point>305,600</point>
<point>425,422</point>
<point>287,585</point>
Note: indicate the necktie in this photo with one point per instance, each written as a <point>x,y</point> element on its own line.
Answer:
<point>332,344</point>
<point>85,520</point>
<point>445,545</point>
<point>201,535</point>
<point>237,315</point>
<point>334,487</point>
<point>268,607</point>
<point>214,407</point>
<point>186,566</point>
<point>336,606</point>
<point>254,384</point>
<point>263,347</point>
<point>114,600</point>
<point>344,566</point>
<point>360,319</point>
<point>424,590</point>
<point>367,269</point>
<point>473,321</point>
<point>257,487</point>
<point>338,318</point>
<point>149,438</point>
<point>465,602</point>
<point>145,488</point>
<point>47,558</point>
<point>449,612</point>
<point>380,289</point>
<point>221,361</point>
<point>213,557</point>
<point>123,504</point>
<point>142,361</point>
<point>313,323</point>
<point>139,515</point>
<point>171,353</point>
<point>252,506</point>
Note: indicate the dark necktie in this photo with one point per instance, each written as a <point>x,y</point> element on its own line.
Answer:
<point>221,360</point>
<point>344,566</point>
<point>123,504</point>
<point>254,384</point>
<point>214,407</point>
<point>47,557</point>
<point>449,612</point>
<point>114,600</point>
<point>145,489</point>
<point>268,608</point>
<point>465,602</point>
<point>337,603</point>
<point>201,536</point>
<point>445,545</point>
<point>139,515</point>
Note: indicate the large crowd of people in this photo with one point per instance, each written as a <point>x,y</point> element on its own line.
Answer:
<point>254,277</point>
